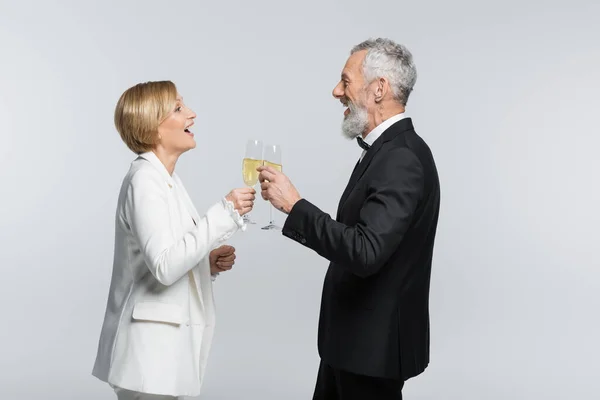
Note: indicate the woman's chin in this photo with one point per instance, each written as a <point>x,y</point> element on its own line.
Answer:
<point>188,149</point>
<point>192,144</point>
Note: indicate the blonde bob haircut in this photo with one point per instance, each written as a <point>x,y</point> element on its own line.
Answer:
<point>139,112</point>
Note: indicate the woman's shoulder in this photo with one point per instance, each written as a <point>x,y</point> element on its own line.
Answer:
<point>141,172</point>
<point>142,180</point>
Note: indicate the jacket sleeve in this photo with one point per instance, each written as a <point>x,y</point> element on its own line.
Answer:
<point>169,258</point>
<point>384,218</point>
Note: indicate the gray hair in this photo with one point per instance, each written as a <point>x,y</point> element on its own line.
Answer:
<point>392,61</point>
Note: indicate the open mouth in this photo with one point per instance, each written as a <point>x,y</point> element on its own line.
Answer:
<point>347,110</point>
<point>187,130</point>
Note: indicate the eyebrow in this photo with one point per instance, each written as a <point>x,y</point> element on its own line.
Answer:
<point>345,76</point>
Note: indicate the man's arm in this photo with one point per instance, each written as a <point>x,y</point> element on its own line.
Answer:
<point>384,218</point>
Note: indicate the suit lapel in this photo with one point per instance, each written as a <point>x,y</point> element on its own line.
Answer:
<point>359,170</point>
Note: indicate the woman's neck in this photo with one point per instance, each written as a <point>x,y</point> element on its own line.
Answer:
<point>168,159</point>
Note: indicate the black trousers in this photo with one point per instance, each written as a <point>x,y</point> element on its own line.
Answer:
<point>334,384</point>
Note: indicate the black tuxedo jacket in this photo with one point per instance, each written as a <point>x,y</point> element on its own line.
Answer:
<point>374,316</point>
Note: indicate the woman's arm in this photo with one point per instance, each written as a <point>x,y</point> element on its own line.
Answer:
<point>167,257</point>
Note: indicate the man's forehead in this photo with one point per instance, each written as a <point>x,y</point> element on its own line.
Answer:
<point>353,63</point>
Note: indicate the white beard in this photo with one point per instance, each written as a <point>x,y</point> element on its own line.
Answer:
<point>355,123</point>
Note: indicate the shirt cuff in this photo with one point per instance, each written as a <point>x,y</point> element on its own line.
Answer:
<point>214,276</point>
<point>233,213</point>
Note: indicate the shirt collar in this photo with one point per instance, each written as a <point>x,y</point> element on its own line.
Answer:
<point>379,129</point>
<point>153,159</point>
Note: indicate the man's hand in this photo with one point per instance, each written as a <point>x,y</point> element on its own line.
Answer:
<point>278,189</point>
<point>221,259</point>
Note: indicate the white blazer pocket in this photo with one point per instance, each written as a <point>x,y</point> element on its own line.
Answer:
<point>158,312</point>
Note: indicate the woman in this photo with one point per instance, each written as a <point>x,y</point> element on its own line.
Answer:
<point>160,314</point>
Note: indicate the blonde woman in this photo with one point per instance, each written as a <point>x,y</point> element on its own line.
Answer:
<point>160,313</point>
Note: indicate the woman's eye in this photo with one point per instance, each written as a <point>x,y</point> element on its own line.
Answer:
<point>178,109</point>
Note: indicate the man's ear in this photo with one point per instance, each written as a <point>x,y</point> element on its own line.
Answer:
<point>381,89</point>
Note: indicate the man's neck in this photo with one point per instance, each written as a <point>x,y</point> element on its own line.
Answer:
<point>382,116</point>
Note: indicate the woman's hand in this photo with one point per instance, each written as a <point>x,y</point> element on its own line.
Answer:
<point>221,259</point>
<point>242,199</point>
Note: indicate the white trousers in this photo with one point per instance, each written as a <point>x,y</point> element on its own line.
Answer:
<point>123,394</point>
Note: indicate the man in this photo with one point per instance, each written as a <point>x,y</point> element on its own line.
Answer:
<point>374,322</point>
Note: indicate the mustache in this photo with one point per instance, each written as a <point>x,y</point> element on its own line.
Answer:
<point>351,105</point>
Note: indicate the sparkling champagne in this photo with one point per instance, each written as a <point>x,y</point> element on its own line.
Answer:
<point>249,171</point>
<point>273,165</point>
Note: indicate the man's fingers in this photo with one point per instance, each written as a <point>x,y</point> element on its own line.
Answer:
<point>264,194</point>
<point>265,190</point>
<point>266,174</point>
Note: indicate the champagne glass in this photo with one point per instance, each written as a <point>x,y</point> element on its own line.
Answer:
<point>252,160</point>
<point>272,158</point>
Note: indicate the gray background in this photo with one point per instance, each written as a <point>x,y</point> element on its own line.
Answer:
<point>507,98</point>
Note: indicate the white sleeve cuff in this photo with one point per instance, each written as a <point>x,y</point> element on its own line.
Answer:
<point>233,213</point>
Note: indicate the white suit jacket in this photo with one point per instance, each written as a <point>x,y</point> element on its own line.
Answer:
<point>160,314</point>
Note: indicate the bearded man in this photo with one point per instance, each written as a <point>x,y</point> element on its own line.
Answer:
<point>374,320</point>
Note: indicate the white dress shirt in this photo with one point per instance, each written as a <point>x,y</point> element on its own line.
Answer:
<point>379,129</point>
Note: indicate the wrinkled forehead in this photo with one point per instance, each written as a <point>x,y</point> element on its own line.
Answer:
<point>353,67</point>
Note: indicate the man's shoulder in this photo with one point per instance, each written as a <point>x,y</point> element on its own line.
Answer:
<point>409,138</point>
<point>405,150</point>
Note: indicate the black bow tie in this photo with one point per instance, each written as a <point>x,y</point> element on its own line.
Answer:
<point>362,143</point>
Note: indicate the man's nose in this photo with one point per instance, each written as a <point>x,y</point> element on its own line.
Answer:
<point>338,91</point>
